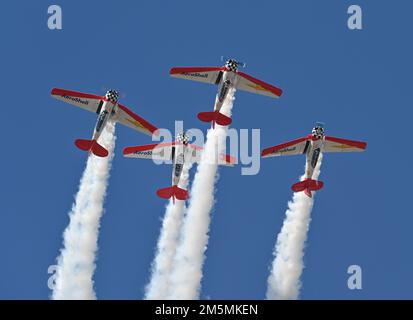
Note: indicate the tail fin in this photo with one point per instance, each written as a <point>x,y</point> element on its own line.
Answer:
<point>173,192</point>
<point>215,117</point>
<point>307,186</point>
<point>91,146</point>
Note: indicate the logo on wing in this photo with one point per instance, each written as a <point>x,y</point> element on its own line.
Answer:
<point>144,153</point>
<point>287,150</point>
<point>76,99</point>
<point>196,74</point>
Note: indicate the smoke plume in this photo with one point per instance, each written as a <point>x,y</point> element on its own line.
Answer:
<point>287,267</point>
<point>76,263</point>
<point>187,272</point>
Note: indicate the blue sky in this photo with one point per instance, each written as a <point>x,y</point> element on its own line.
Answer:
<point>357,82</point>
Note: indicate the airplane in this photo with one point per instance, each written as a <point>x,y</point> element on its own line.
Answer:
<point>106,108</point>
<point>312,145</point>
<point>180,152</point>
<point>226,77</point>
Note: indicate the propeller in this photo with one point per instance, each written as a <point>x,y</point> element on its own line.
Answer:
<point>239,63</point>
<point>106,89</point>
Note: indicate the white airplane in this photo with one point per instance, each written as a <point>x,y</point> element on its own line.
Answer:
<point>226,77</point>
<point>312,146</point>
<point>179,152</point>
<point>106,108</point>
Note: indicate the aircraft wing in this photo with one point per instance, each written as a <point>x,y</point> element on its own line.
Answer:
<point>194,155</point>
<point>298,146</point>
<point>85,101</point>
<point>253,85</point>
<point>163,152</point>
<point>126,117</point>
<point>211,75</point>
<point>156,151</point>
<point>332,144</point>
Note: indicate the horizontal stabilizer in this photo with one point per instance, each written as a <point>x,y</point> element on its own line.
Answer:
<point>173,192</point>
<point>307,186</point>
<point>91,146</point>
<point>215,117</point>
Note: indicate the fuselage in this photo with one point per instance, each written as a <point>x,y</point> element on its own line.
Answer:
<point>178,161</point>
<point>226,81</point>
<point>314,149</point>
<point>106,110</point>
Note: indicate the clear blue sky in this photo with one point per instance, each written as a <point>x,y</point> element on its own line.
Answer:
<point>357,82</point>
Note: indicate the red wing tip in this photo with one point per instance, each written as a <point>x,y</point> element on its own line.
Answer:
<point>277,91</point>
<point>266,152</point>
<point>174,70</point>
<point>128,150</point>
<point>357,144</point>
<point>55,91</point>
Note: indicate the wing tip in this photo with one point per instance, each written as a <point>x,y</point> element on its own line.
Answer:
<point>281,91</point>
<point>55,91</point>
<point>127,151</point>
<point>357,144</point>
<point>269,87</point>
<point>266,152</point>
<point>147,127</point>
<point>173,70</point>
<point>363,145</point>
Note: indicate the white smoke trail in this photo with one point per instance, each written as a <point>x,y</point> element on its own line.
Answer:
<point>189,259</point>
<point>287,267</point>
<point>76,262</point>
<point>159,284</point>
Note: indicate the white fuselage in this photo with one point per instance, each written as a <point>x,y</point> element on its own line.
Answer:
<point>107,110</point>
<point>312,155</point>
<point>178,161</point>
<point>227,82</point>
